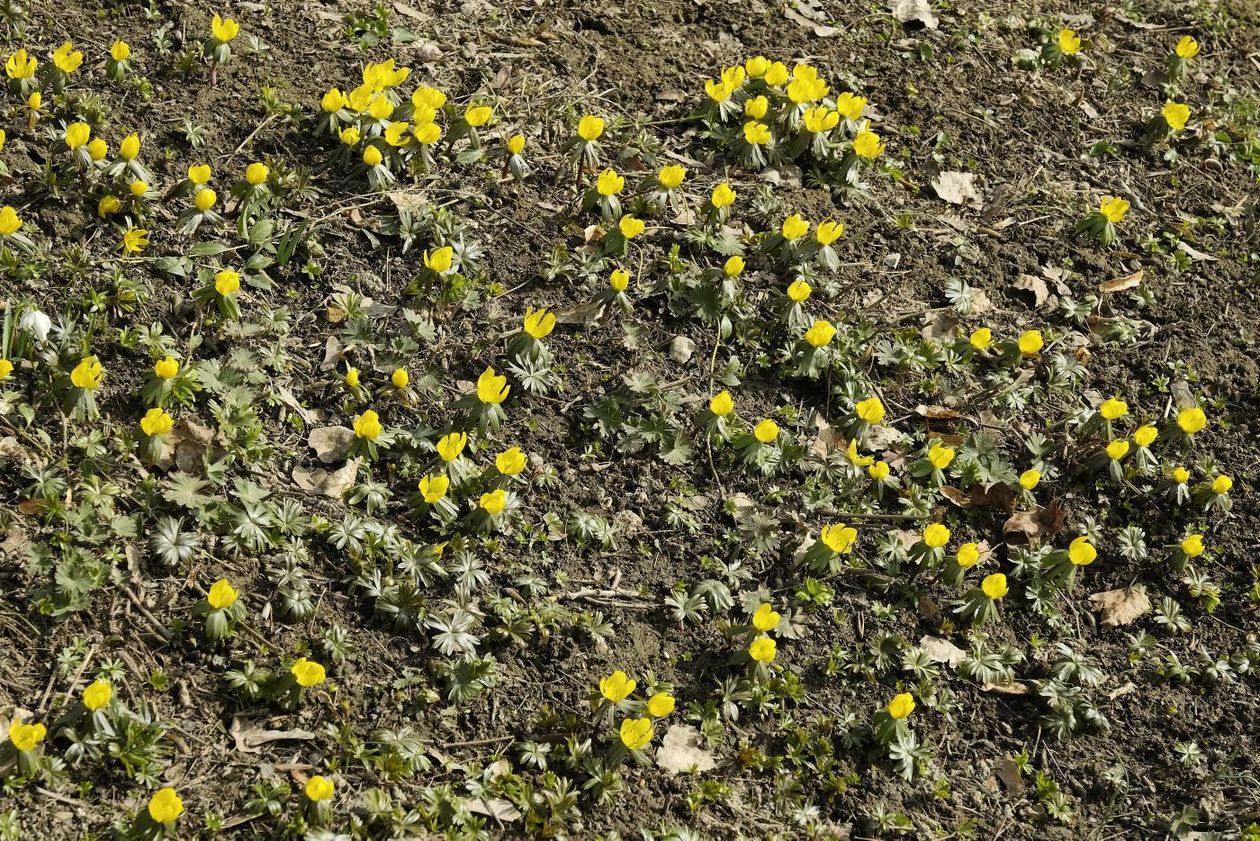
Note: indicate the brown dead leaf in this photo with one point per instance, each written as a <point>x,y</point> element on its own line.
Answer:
<point>330,443</point>
<point>1121,691</point>
<point>494,807</point>
<point>1034,527</point>
<point>936,412</point>
<point>249,736</point>
<point>1007,771</point>
<point>998,495</point>
<point>11,450</point>
<point>1120,607</point>
<point>1120,284</point>
<point>407,200</point>
<point>939,325</point>
<point>1037,286</point>
<point>585,314</point>
<point>957,188</point>
<point>1012,688</point>
<point>317,481</point>
<point>942,651</point>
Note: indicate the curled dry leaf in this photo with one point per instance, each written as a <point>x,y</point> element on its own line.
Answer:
<point>1120,607</point>
<point>941,650</point>
<point>998,495</point>
<point>1120,284</point>
<point>1034,527</point>
<point>331,443</point>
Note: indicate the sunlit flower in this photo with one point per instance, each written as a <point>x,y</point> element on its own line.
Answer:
<point>870,410</point>
<point>88,374</point>
<point>1081,552</point>
<point>794,227</point>
<point>515,144</point>
<point>630,226</point>
<point>936,536</point>
<point>1176,114</point>
<point>26,736</point>
<point>450,445</point>
<point>492,388</point>
<point>129,147</point>
<point>372,156</point>
<point>6,368</point>
<point>97,694</point>
<point>757,66</point>
<point>156,422</point>
<point>318,788</point>
<point>828,232</point>
<point>66,58</point>
<point>879,471</point>
<point>838,538</point>
<point>510,462</point>
<point>609,183</point>
<point>108,206</point>
<point>940,456</point>
<point>776,74</point>
<point>1069,42</point>
<point>205,199</point>
<point>850,106</point>
<point>1180,475</point>
<point>1187,47</point>
<point>425,95</point>
<point>1144,436</point>
<point>734,266</point>
<point>617,686</point>
<point>820,334</point>
<point>868,145</point>
<point>901,705</point>
<point>368,425</point>
<point>660,705</point>
<point>439,259</point>
<point>1117,449</point>
<point>493,502</point>
<point>766,618</point>
<point>308,673</point>
<point>222,594</point>
<point>619,280</point>
<point>718,91</point>
<point>820,119</point>
<point>1113,208</point>
<point>857,460</point>
<point>257,173</point>
<point>766,431</point>
<point>636,733</point>
<point>1030,341</point>
<point>968,555</point>
<point>135,240</point>
<point>21,66</point>
<point>400,378</point>
<point>224,29</point>
<point>77,134</point>
<point>762,649</point>
<point>722,404</point>
<point>671,176</point>
<point>1192,545</point>
<point>590,127</point>
<point>433,488</point>
<point>1191,420</point>
<point>757,134</point>
<point>478,115</point>
<point>349,135</point>
<point>798,291</point>
<point>1222,485</point>
<point>994,586</point>
<point>120,51</point>
<point>756,107</point>
<point>10,222</point>
<point>226,282</point>
<point>165,806</point>
<point>1029,479</point>
<point>332,101</point>
<point>539,323</point>
<point>722,196</point>
<point>138,189</point>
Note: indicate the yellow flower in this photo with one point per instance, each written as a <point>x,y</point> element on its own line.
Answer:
<point>757,134</point>
<point>777,74</point>
<point>762,649</point>
<point>765,618</point>
<point>368,425</point>
<point>879,471</point>
<point>165,806</point>
<point>156,422</point>
<point>1187,47</point>
<point>400,378</point>
<point>138,189</point>
<point>619,280</point>
<point>199,174</point>
<point>20,65</point>
<point>478,115</point>
<point>1069,42</point>
<point>257,173</point>
<point>1029,479</point>
<point>439,259</point>
<point>26,736</point>
<point>820,119</point>
<point>1144,436</point>
<point>1180,475</point>
<point>308,674</point>
<point>756,107</point>
<point>77,134</point>
<point>510,462</point>
<point>1113,208</point>
<point>590,127</point>
<point>433,488</point>
<point>630,226</point>
<point>539,323</point>
<point>97,694</point>
<point>492,388</point>
<point>660,705</point>
<point>135,240</point>
<point>609,183</point>
<point>431,97</point>
<point>722,196</point>
<point>828,232</point>
<point>108,206</point>
<point>10,222</point>
<point>6,368</point>
<point>968,555</point>
<point>1081,552</point>
<point>1176,114</point>
<point>66,58</point>
<point>766,431</point>
<point>130,147</point>
<point>222,595</point>
<point>839,538</point>
<point>799,291</point>
<point>428,134</point>
<point>1192,546</point>
<point>617,686</point>
<point>332,101</point>
<point>671,175</point>
<point>807,89</point>
<point>820,334</point>
<point>120,51</point>
<point>3,136</point>
<point>981,338</point>
<point>734,266</point>
<point>757,66</point>
<point>1222,485</point>
<point>34,101</point>
<point>850,106</point>
<point>867,145</point>
<point>936,536</point>
<point>733,76</point>
<point>855,459</point>
<point>97,149</point>
<point>516,144</point>
<point>226,282</point>
<point>372,156</point>
<point>940,456</point>
<point>1113,409</point>
<point>318,788</point>
<point>380,75</point>
<point>205,199</point>
<point>352,377</point>
<point>1030,341</point>
<point>349,136</point>
<point>87,374</point>
<point>871,410</point>
<point>794,227</point>
<point>1191,420</point>
<point>722,404</point>
<point>718,91</point>
<point>994,586</point>
<point>1117,449</point>
<point>224,29</point>
<point>901,705</point>
<point>636,733</point>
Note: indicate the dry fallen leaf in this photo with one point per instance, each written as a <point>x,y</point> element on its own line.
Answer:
<point>1120,284</point>
<point>495,807</point>
<point>998,495</point>
<point>957,188</point>
<point>249,737</point>
<point>1037,286</point>
<point>942,651</point>
<point>1012,688</point>
<point>317,481</point>
<point>1120,607</point>
<point>914,11</point>
<point>680,751</point>
<point>1034,527</point>
<point>1008,772</point>
<point>330,443</point>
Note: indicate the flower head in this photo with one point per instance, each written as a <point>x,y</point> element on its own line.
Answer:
<point>308,673</point>
<point>77,134</point>
<point>439,259</point>
<point>129,148</point>
<point>636,733</point>
<point>901,705</point>
<point>617,686</point>
<point>762,649</point>
<point>199,174</point>
<point>492,388</point>
<point>757,133</point>
<point>660,705</point>
<point>619,280</point>
<point>226,282</point>
<point>879,471</point>
<point>20,66</point>
<point>839,538</point>
<point>26,736</point>
<point>515,144</point>
<point>766,618</point>
<point>332,101</point>
<point>1222,485</point>
<point>1069,42</point>
<point>425,95</point>
<point>120,51</point>
<point>1031,341</point>
<point>318,788</point>
<point>940,455</point>
<point>820,119</point>
<point>400,378</point>
<point>6,368</point>
<point>776,74</point>
<point>156,422</point>
<point>609,183</point>
<point>766,431</point>
<point>756,107</point>
<point>868,145</point>
<point>224,29</point>
<point>936,536</point>
<point>10,222</point>
<point>1117,449</point>
<point>828,232</point>
<point>1180,475</point>
<point>1176,114</point>
<point>850,106</point>
<point>722,196</point>
<point>734,266</point>
<point>794,227</point>
<point>205,199</point>
<point>372,156</point>
<point>1144,436</point>
<point>510,462</point>
<point>66,58</point>
<point>88,374</point>
<point>1113,208</point>
<point>590,127</point>
<point>1030,478</point>
<point>222,594</point>
<point>165,805</point>
<point>494,502</point>
<point>368,425</point>
<point>166,368</point>
<point>478,115</point>
<point>968,555</point>
<point>135,240</point>
<point>257,173</point>
<point>820,334</point>
<point>671,176</point>
<point>97,694</point>
<point>994,586</point>
<point>1192,545</point>
<point>1187,47</point>
<point>433,488</point>
<point>799,291</point>
<point>722,404</point>
<point>870,410</point>
<point>630,226</point>
<point>1081,552</point>
<point>539,323</point>
<point>1191,420</point>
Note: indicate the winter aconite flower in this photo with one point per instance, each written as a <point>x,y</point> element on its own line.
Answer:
<point>135,240</point>
<point>1113,208</point>
<point>1030,342</point>
<point>156,422</point>
<point>820,334</point>
<point>510,462</point>
<point>1176,114</point>
<point>538,324</point>
<point>1187,47</point>
<point>21,66</point>
<point>205,199</point>
<point>609,183</point>
<point>636,733</point>
<point>222,595</point>
<point>968,555</point>
<point>10,222</point>
<point>838,538</point>
<point>97,694</point>
<point>1192,545</point>
<point>757,133</point>
<point>308,673</point>
<point>77,134</point>
<point>165,806</point>
<point>6,368</point>
<point>1081,552</point>
<point>762,649</point>
<point>1069,42</point>
<point>671,176</point>
<point>66,58</point>
<point>450,445</point>
<point>901,705</point>
<point>936,536</point>
<point>88,374</point>
<point>661,704</point>
<point>619,280</point>
<point>765,618</point>
<point>1144,436</point>
<point>940,456</point>
<point>400,378</point>
<point>867,145</point>
<point>1029,479</point>
<point>870,410</point>
<point>799,291</point>
<point>439,259</point>
<point>850,106</point>
<point>980,338</point>
<point>26,736</point>
<point>994,586</point>
<point>828,232</point>
<point>766,431</point>
<point>492,388</point>
<point>493,502</point>
<point>756,107</point>
<point>723,196</point>
<point>434,488</point>
<point>616,687</point>
<point>794,227</point>
<point>590,127</point>
<point>722,404</point>
<point>226,282</point>
<point>224,29</point>
<point>368,425</point>
<point>734,266</point>
<point>1222,485</point>
<point>1191,420</point>
<point>1117,449</point>
<point>630,226</point>
<point>318,788</point>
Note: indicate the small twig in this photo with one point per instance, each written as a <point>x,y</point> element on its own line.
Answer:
<point>161,629</point>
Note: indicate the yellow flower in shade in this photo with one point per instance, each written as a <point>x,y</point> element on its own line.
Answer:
<point>478,115</point>
<point>6,368</point>
<point>199,174</point>
<point>1069,42</point>
<point>777,74</point>
<point>510,462</point>
<point>88,374</point>
<point>1192,546</point>
<point>981,338</point>
<point>870,410</point>
<point>439,259</point>
<point>619,280</point>
<point>224,29</point>
<point>308,673</point>
<point>539,323</point>
<point>722,196</point>
<point>756,107</point>
<point>1113,208</point>
<point>226,281</point>
<point>135,240</point>
<point>130,147</point>
<point>432,97</point>
<point>660,705</point>
<point>368,425</point>
<point>617,686</point>
<point>968,555</point>
<point>3,136</point>
<point>1081,552</point>
<point>257,173</point>
<point>940,456</point>
<point>794,227</point>
<point>766,431</point>
<point>20,65</point>
<point>1031,341</point>
<point>156,422</point>
<point>97,694</point>
<point>1180,475</point>
<point>762,649</point>
<point>1144,436</point>
<point>97,149</point>
<point>494,502</point>
<point>734,266</point>
<point>222,594</point>
<point>799,291</point>
<point>901,705</point>
<point>66,58</point>
<point>839,538</point>
<point>120,51</point>
<point>590,127</point>
<point>77,134</point>
<point>372,156</point>
<point>722,404</point>
<point>400,378</point>
<point>1176,114</point>
<point>609,183</point>
<point>108,206</point>
<point>636,733</point>
<point>1187,47</point>
<point>492,388</point>
<point>515,144</point>
<point>820,334</point>
<point>318,788</point>
<point>10,222</point>
<point>1117,449</point>
<point>349,135</point>
<point>332,101</point>
<point>855,459</point>
<point>671,176</point>
<point>1191,420</point>
<point>26,736</point>
<point>138,189</point>
<point>35,101</point>
<point>766,618</point>
<point>165,806</point>
<point>828,232</point>
<point>994,586</point>
<point>757,134</point>
<point>879,471</point>
<point>820,119</point>
<point>935,536</point>
<point>433,488</point>
<point>630,226</point>
<point>868,145</point>
<point>1222,485</point>
<point>205,199</point>
<point>850,106</point>
<point>1030,478</point>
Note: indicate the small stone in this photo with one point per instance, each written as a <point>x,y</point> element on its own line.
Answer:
<point>681,349</point>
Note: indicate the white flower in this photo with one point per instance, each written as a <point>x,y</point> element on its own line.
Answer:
<point>36,323</point>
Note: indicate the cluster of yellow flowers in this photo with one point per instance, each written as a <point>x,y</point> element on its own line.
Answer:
<point>636,730</point>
